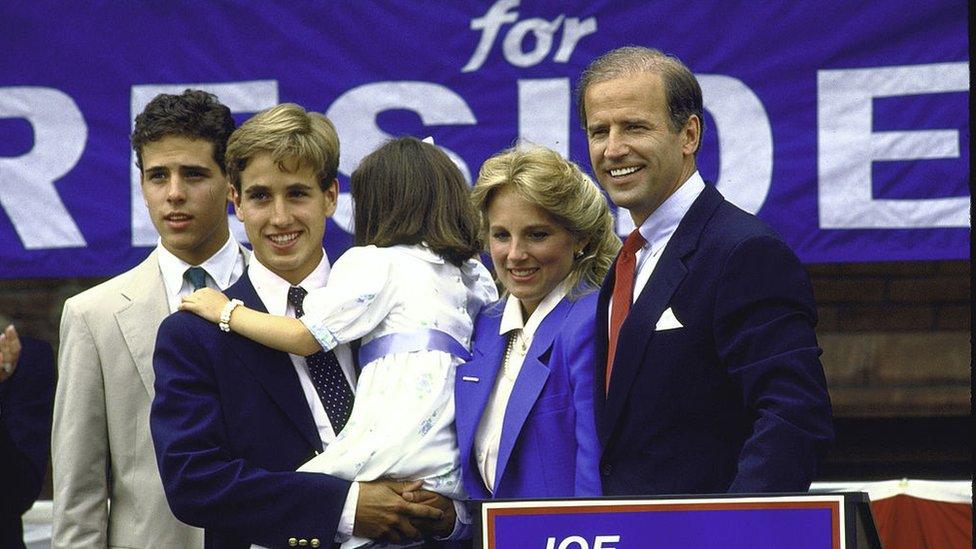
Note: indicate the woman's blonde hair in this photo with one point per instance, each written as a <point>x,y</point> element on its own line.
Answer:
<point>543,178</point>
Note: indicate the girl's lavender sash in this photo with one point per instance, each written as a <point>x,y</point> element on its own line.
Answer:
<point>425,340</point>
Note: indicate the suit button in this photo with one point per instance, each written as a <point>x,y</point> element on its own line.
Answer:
<point>292,542</point>
<point>303,542</point>
<point>315,542</point>
<point>606,469</point>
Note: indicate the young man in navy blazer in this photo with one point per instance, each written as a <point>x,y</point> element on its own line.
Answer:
<point>232,420</point>
<point>709,378</point>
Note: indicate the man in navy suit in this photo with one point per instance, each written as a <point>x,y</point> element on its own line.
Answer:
<point>26,401</point>
<point>712,380</point>
<point>231,419</point>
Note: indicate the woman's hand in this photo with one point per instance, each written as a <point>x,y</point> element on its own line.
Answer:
<point>205,302</point>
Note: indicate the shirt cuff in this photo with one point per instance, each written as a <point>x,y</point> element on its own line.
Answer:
<point>348,517</point>
<point>325,338</point>
<point>461,524</point>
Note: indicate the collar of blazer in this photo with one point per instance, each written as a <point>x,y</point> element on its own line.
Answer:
<point>528,385</point>
<point>144,306</point>
<point>142,310</point>
<point>271,368</point>
<point>635,335</point>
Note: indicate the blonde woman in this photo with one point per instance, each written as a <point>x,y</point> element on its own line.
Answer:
<point>525,400</point>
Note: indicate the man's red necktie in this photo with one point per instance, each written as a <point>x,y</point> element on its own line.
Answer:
<point>623,291</point>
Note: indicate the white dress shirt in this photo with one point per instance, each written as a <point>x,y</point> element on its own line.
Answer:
<point>273,292</point>
<point>513,325</point>
<point>223,269</point>
<point>659,227</point>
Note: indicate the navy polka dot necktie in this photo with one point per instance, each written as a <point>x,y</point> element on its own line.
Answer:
<point>327,377</point>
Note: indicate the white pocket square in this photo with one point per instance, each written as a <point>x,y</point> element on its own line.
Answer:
<point>667,321</point>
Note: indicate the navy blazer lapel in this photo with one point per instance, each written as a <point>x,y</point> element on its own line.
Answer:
<point>639,326</point>
<point>528,385</point>
<point>273,369</point>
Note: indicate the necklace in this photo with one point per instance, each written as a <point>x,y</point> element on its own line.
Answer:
<point>516,344</point>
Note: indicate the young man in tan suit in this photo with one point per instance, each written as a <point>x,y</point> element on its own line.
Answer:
<point>107,490</point>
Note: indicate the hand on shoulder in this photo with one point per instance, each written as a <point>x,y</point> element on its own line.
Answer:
<point>206,303</point>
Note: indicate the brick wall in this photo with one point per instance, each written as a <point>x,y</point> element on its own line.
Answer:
<point>34,305</point>
<point>896,337</point>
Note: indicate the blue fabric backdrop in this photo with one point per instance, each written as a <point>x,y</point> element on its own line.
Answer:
<point>844,125</point>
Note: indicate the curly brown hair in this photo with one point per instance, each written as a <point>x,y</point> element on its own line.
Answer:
<point>193,114</point>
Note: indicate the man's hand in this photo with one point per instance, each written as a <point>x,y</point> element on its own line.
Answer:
<point>440,528</point>
<point>383,514</point>
<point>9,352</point>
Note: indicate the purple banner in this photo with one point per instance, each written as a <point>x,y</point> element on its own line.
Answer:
<point>843,125</point>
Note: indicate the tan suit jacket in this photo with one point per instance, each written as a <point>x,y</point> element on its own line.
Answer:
<point>101,446</point>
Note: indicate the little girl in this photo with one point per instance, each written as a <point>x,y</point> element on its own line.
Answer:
<point>409,291</point>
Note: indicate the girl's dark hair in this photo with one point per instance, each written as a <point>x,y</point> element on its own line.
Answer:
<point>408,192</point>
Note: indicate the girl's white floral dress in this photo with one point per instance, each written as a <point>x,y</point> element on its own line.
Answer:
<point>402,422</point>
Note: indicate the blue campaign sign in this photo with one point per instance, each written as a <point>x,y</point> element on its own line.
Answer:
<point>772,522</point>
<point>843,125</point>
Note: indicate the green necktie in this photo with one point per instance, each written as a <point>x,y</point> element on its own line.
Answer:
<point>197,277</point>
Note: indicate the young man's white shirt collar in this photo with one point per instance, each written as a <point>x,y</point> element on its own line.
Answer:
<point>223,269</point>
<point>273,290</point>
